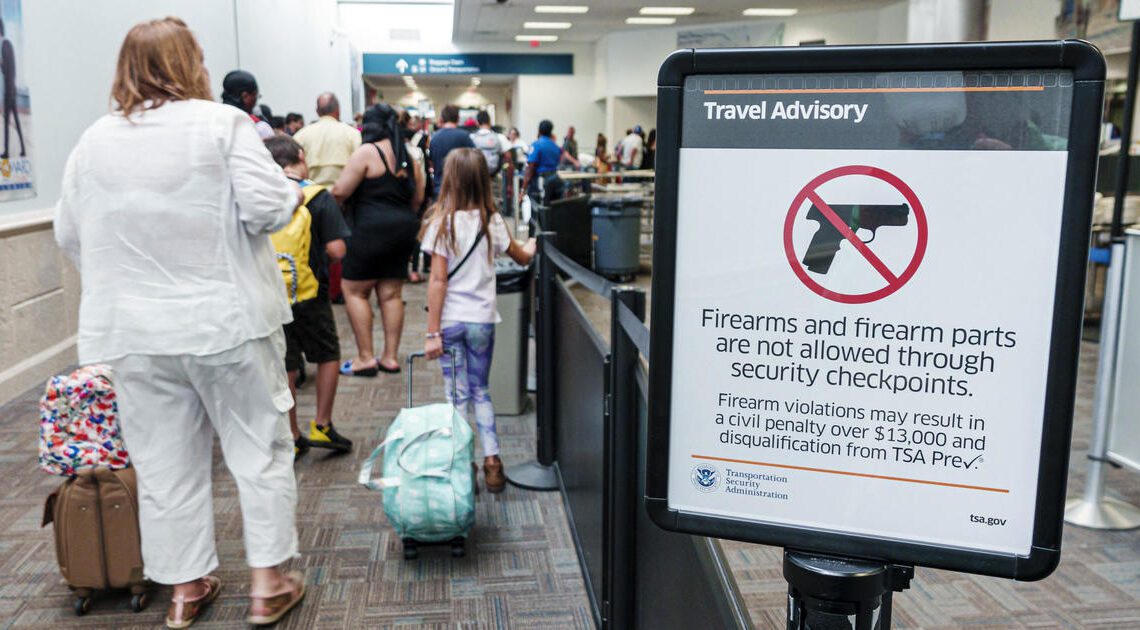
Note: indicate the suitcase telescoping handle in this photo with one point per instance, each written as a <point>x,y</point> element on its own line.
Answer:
<point>411,361</point>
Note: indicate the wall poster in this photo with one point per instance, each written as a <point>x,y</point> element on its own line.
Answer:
<point>16,178</point>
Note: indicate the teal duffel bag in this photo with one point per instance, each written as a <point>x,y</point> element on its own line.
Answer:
<point>429,483</point>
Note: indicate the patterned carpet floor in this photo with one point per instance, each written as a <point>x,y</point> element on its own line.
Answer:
<point>521,570</point>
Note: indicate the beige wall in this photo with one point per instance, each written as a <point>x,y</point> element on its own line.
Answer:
<point>39,305</point>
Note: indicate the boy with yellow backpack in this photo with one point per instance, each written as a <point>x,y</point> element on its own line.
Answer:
<point>315,236</point>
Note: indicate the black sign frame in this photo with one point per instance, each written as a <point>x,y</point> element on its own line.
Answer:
<point>1088,68</point>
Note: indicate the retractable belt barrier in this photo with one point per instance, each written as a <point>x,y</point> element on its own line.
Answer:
<point>580,274</point>
<point>591,432</point>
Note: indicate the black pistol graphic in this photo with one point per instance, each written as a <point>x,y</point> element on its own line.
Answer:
<point>825,243</point>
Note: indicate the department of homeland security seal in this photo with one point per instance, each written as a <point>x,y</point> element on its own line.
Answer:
<point>706,477</point>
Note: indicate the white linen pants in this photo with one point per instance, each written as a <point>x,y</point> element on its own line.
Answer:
<point>167,406</point>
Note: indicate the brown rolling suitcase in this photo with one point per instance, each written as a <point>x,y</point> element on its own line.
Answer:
<point>97,539</point>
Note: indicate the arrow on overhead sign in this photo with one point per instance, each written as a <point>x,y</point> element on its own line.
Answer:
<point>401,66</point>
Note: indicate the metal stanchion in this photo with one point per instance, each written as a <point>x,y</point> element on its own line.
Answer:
<point>620,499</point>
<point>830,593</point>
<point>540,474</point>
<point>1093,508</point>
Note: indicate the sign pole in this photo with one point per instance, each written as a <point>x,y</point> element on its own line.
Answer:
<point>1093,509</point>
<point>1122,167</point>
<point>540,474</point>
<point>832,592</point>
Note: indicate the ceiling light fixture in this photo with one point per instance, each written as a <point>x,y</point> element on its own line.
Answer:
<point>536,38</point>
<point>561,8</point>
<point>770,12</point>
<point>682,11</point>
<point>651,20</point>
<point>548,25</point>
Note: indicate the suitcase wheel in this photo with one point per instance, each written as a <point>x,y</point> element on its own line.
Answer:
<point>458,547</point>
<point>411,551</point>
<point>82,606</point>
<point>139,602</point>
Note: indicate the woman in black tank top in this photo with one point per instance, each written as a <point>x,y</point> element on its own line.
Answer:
<point>381,185</point>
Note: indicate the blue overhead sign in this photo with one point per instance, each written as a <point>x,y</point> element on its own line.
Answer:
<point>472,63</point>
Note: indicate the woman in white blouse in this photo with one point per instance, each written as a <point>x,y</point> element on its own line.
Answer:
<point>166,207</point>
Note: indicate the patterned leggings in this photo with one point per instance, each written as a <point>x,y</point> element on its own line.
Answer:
<point>472,345</point>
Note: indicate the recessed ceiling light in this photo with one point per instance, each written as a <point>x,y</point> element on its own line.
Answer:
<point>548,25</point>
<point>536,38</point>
<point>770,12</point>
<point>666,10</point>
<point>651,20</point>
<point>561,8</point>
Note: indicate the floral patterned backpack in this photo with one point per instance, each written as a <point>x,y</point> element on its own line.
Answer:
<point>79,423</point>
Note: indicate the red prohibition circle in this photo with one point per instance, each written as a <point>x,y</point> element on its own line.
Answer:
<point>892,286</point>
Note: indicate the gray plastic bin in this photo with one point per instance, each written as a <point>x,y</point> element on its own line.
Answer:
<point>616,222</point>
<point>509,361</point>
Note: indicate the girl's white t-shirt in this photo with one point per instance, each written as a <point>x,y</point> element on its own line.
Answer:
<point>471,291</point>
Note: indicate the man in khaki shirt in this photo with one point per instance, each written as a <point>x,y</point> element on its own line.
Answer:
<point>328,143</point>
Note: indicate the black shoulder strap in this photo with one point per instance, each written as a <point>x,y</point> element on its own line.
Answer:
<point>478,239</point>
<point>382,158</point>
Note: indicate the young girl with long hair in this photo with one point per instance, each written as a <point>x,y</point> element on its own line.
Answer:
<point>463,233</point>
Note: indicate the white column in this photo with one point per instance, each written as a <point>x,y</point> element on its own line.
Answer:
<point>611,125</point>
<point>945,20</point>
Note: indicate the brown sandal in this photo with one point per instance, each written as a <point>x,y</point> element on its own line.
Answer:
<point>270,608</point>
<point>184,612</point>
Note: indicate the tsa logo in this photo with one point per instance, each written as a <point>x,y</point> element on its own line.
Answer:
<point>706,477</point>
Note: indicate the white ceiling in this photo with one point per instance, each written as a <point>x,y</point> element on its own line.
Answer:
<point>492,21</point>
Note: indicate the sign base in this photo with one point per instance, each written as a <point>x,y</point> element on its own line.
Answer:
<point>532,476</point>
<point>1107,513</point>
<point>833,592</point>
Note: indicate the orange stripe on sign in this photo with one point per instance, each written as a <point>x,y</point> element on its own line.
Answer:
<point>852,474</point>
<point>1019,88</point>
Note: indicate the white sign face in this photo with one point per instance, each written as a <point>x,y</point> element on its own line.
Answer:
<point>861,334</point>
<point>1129,10</point>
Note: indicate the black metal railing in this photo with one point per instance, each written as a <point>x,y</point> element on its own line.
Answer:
<point>592,419</point>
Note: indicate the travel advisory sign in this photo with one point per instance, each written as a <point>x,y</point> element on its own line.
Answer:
<point>865,280</point>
